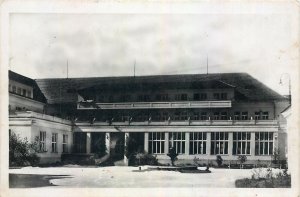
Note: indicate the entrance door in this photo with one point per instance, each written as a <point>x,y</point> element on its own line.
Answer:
<point>79,142</point>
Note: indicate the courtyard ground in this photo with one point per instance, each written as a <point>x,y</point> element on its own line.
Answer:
<point>121,177</point>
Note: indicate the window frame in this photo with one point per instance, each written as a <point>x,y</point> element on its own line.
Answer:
<point>198,145</point>
<point>178,142</point>
<point>54,143</point>
<point>216,143</point>
<point>240,142</point>
<point>158,142</point>
<point>261,139</point>
<point>65,143</point>
<point>42,141</point>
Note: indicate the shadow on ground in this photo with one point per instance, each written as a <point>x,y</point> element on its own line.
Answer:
<point>32,180</point>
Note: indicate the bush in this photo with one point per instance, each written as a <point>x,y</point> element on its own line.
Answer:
<point>21,152</point>
<point>242,159</point>
<point>265,179</point>
<point>219,160</point>
<point>145,159</point>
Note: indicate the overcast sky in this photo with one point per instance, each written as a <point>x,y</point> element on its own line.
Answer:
<point>108,45</point>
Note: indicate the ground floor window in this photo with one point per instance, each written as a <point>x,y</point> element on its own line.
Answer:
<point>197,143</point>
<point>219,143</point>
<point>65,143</point>
<point>241,143</point>
<point>54,142</point>
<point>42,141</point>
<point>177,140</point>
<point>263,143</point>
<point>156,142</point>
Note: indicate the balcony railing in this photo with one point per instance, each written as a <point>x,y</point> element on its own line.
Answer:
<point>183,123</point>
<point>155,105</point>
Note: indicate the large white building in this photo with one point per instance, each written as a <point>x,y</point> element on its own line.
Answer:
<point>200,115</point>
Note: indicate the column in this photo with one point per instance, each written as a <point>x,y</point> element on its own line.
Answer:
<point>187,143</point>
<point>252,144</point>
<point>208,142</point>
<point>107,143</point>
<point>166,142</point>
<point>125,147</point>
<point>88,143</point>
<point>146,142</point>
<point>230,143</point>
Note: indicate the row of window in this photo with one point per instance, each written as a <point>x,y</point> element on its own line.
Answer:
<point>163,116</point>
<point>20,91</point>
<point>164,97</point>
<point>219,143</point>
<point>54,140</point>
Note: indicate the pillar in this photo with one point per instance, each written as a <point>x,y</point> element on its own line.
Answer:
<point>166,142</point>
<point>125,147</point>
<point>146,142</point>
<point>230,143</point>
<point>107,143</point>
<point>252,144</point>
<point>88,143</point>
<point>187,143</point>
<point>208,143</point>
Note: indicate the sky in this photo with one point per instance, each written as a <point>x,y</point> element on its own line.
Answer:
<point>94,45</point>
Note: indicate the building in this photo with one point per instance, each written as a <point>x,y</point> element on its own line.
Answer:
<point>200,115</point>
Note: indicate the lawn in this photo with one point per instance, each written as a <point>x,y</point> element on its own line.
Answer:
<point>121,177</point>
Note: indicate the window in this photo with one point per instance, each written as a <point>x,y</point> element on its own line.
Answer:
<point>144,98</point>
<point>257,115</point>
<point>19,91</point>
<point>165,116</point>
<point>241,143</point>
<point>28,93</point>
<point>216,115</point>
<point>65,143</point>
<point>125,98</point>
<point>245,115</point>
<point>197,143</point>
<point>176,116</point>
<point>237,115</point>
<point>203,96</point>
<point>196,116</point>
<point>24,92</point>
<point>203,115</point>
<point>42,141</point>
<point>223,96</point>
<point>224,115</point>
<point>196,97</point>
<point>183,115</point>
<point>54,142</point>
<point>216,96</point>
<point>156,143</point>
<point>219,143</point>
<point>181,97</point>
<point>265,115</point>
<point>162,97</point>
<point>177,140</point>
<point>111,98</point>
<point>263,143</point>
<point>14,89</point>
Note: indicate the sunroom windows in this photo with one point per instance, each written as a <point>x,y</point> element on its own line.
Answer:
<point>219,143</point>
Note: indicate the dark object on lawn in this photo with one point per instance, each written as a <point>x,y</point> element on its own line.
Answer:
<point>173,155</point>
<point>219,160</point>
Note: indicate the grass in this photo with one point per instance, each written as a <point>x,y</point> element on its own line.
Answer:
<point>267,179</point>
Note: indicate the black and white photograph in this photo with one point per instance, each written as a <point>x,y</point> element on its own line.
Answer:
<point>150,98</point>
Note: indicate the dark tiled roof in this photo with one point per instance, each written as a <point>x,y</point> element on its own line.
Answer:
<point>37,93</point>
<point>65,90</point>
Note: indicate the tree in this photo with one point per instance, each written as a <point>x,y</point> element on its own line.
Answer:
<point>173,155</point>
<point>21,152</point>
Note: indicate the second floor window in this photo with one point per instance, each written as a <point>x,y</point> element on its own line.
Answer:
<point>237,115</point>
<point>223,96</point>
<point>65,143</point>
<point>265,115</point>
<point>14,89</point>
<point>203,115</point>
<point>181,97</point>
<point>144,98</point>
<point>257,115</point>
<point>216,115</point>
<point>244,115</point>
<point>216,96</point>
<point>162,97</point>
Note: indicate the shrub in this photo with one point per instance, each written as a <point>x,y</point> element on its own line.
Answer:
<point>219,160</point>
<point>145,159</point>
<point>21,152</point>
<point>242,159</point>
<point>173,155</point>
